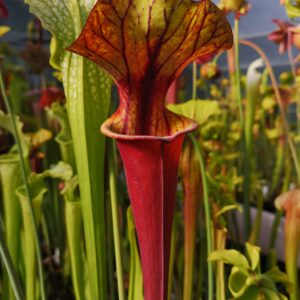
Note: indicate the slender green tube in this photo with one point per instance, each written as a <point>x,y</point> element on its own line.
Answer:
<point>257,225</point>
<point>172,256</point>
<point>247,219</point>
<point>73,216</point>
<point>208,216</point>
<point>30,257</point>
<point>291,259</point>
<point>10,180</point>
<point>9,108</point>
<point>202,256</point>
<point>135,290</point>
<point>110,253</point>
<point>115,220</point>
<point>248,144</point>
<point>4,253</point>
<point>275,226</point>
<point>220,243</point>
<point>87,108</point>
<point>280,157</point>
<point>237,70</point>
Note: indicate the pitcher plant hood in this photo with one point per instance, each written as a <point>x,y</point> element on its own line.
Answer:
<point>144,45</point>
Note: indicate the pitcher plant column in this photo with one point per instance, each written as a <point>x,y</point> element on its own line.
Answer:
<point>144,46</point>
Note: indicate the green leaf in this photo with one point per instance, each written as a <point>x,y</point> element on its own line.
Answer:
<point>64,137</point>
<point>17,88</point>
<point>40,137</point>
<point>136,277</point>
<point>253,253</point>
<point>297,139</point>
<point>252,98</point>
<point>277,131</point>
<point>237,282</point>
<point>232,257</point>
<point>59,113</point>
<point>226,209</point>
<point>88,95</point>
<point>251,292</point>
<point>4,30</point>
<point>11,271</point>
<point>37,189</point>
<point>5,123</point>
<point>88,99</point>
<point>268,103</point>
<point>264,281</point>
<point>73,219</point>
<point>61,171</point>
<point>292,9</point>
<point>274,133</point>
<point>198,110</point>
<point>269,295</point>
<point>279,277</point>
<point>10,180</point>
<point>70,187</point>
<point>282,297</point>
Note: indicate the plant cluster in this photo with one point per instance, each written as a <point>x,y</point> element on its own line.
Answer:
<point>158,205</point>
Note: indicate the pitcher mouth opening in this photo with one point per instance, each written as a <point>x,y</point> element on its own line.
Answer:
<point>106,129</point>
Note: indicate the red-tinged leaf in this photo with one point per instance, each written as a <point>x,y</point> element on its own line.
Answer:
<point>290,203</point>
<point>50,95</point>
<point>192,194</point>
<point>3,10</point>
<point>145,45</point>
<point>151,173</point>
<point>280,36</point>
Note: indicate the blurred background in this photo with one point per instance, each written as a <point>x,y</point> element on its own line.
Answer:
<point>255,26</point>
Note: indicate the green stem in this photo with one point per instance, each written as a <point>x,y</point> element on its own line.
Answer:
<point>172,256</point>
<point>202,258</point>
<point>291,259</point>
<point>115,220</point>
<point>110,253</point>
<point>9,108</point>
<point>73,215</point>
<point>30,257</point>
<point>135,290</point>
<point>237,71</point>
<point>257,225</point>
<point>4,253</point>
<point>246,188</point>
<point>274,230</point>
<point>220,243</point>
<point>10,180</point>
<point>280,157</point>
<point>208,216</point>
